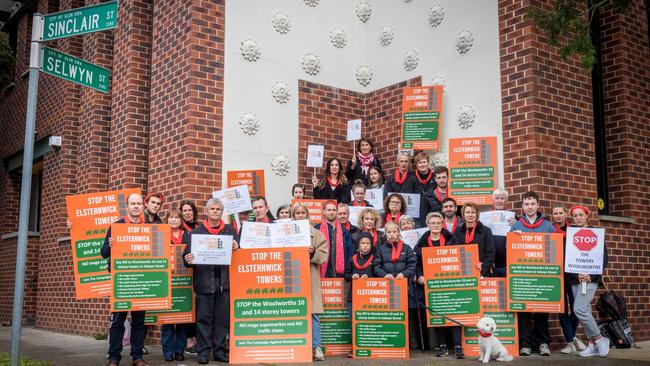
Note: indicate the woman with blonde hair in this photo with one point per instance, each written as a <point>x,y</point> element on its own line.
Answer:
<point>369,222</point>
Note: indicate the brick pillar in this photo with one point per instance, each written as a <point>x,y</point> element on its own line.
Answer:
<point>129,145</point>
<point>187,99</point>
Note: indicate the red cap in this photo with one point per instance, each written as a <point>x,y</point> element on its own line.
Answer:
<point>576,207</point>
<point>159,195</point>
<point>331,202</point>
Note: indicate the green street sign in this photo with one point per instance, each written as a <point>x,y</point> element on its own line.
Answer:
<point>73,69</point>
<point>77,21</point>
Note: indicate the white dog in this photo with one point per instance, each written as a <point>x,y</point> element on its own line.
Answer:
<point>491,347</point>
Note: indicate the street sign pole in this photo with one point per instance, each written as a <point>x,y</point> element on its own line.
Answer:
<point>25,188</point>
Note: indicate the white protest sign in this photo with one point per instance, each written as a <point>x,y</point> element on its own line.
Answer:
<point>212,249</point>
<point>412,204</point>
<point>354,129</point>
<point>497,221</point>
<point>315,155</point>
<point>584,250</point>
<point>411,237</point>
<point>235,199</point>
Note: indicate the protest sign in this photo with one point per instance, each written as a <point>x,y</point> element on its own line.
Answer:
<point>280,234</point>
<point>315,154</point>
<point>140,264</point>
<point>354,130</point>
<point>91,215</point>
<point>534,272</point>
<point>497,221</point>
<point>254,179</point>
<point>235,199</point>
<point>451,284</point>
<point>270,314</point>
<point>412,204</point>
<point>335,325</point>
<point>421,116</point>
<point>411,237</point>
<point>380,318</point>
<point>315,208</point>
<point>473,169</point>
<point>584,250</point>
<point>212,249</point>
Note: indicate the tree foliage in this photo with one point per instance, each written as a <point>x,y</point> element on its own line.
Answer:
<point>7,62</point>
<point>568,26</point>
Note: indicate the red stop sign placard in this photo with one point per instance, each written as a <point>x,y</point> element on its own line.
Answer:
<point>585,240</point>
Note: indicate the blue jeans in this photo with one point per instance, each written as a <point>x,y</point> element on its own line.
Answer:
<point>568,320</point>
<point>173,339</point>
<point>315,331</point>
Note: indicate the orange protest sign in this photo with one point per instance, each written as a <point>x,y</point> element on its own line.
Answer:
<point>421,116</point>
<point>473,169</point>
<point>183,307</point>
<point>380,318</point>
<point>315,208</point>
<point>335,328</point>
<point>451,284</point>
<point>91,215</point>
<point>140,264</point>
<point>493,305</point>
<point>270,298</point>
<point>535,277</point>
<point>254,179</point>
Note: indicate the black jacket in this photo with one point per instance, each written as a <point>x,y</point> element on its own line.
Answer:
<point>381,240</point>
<point>341,193</point>
<point>208,279</point>
<point>423,242</point>
<point>406,264</point>
<point>426,195</point>
<point>357,172</point>
<point>409,185</point>
<point>351,269</point>
<point>485,240</point>
<point>106,248</point>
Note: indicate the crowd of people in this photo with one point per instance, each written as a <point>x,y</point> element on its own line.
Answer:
<point>373,249</point>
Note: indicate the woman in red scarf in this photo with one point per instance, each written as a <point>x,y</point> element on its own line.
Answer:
<point>333,185</point>
<point>369,222</point>
<point>359,195</point>
<point>394,208</point>
<point>359,166</point>
<point>472,231</point>
<point>426,184</point>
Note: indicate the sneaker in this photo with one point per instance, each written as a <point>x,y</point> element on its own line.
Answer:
<point>589,351</point>
<point>525,351</point>
<point>145,351</point>
<point>318,354</point>
<point>602,345</point>
<point>191,349</point>
<point>459,353</point>
<point>543,350</point>
<point>579,345</point>
<point>349,355</point>
<point>568,349</point>
<point>442,351</point>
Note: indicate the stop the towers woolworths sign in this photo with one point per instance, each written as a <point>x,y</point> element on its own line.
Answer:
<point>584,250</point>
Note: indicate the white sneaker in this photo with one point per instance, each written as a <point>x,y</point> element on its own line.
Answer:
<point>318,354</point>
<point>543,350</point>
<point>579,345</point>
<point>602,345</point>
<point>589,351</point>
<point>568,349</point>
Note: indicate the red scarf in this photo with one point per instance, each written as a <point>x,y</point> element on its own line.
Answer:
<point>179,239</point>
<point>427,179</point>
<point>453,227</point>
<point>347,225</point>
<point>531,226</point>
<point>214,231</point>
<point>390,218</point>
<point>362,204</point>
<point>374,237</point>
<point>469,234</point>
<point>439,195</point>
<point>360,267</point>
<point>335,184</point>
<point>339,265</point>
<point>399,178</point>
<point>128,221</point>
<point>558,229</point>
<point>186,227</point>
<point>264,220</point>
<point>365,162</point>
<point>442,240</point>
<point>396,250</point>
<point>484,334</point>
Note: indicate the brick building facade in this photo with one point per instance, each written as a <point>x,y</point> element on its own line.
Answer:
<point>161,127</point>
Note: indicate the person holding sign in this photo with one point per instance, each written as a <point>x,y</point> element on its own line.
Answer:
<point>568,320</point>
<point>370,223</point>
<point>403,180</point>
<point>339,242</point>
<point>359,166</point>
<point>394,208</point>
<point>584,288</point>
<point>343,215</point>
<point>441,175</point>
<point>425,183</point>
<point>472,231</point>
<point>212,287</point>
<point>134,206</point>
<point>359,194</point>
<point>318,252</point>
<point>173,337</point>
<point>261,210</point>
<point>438,236</point>
<point>499,199</point>
<point>537,333</point>
<point>153,202</point>
<point>190,219</point>
<point>334,184</point>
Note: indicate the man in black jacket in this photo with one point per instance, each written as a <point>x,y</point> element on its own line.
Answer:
<point>134,208</point>
<point>403,180</point>
<point>152,204</point>
<point>212,287</point>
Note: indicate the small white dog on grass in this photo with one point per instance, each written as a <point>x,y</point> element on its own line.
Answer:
<point>491,347</point>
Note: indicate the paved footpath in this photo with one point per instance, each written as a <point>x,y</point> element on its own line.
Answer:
<point>71,350</point>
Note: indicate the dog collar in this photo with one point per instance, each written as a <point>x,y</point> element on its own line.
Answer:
<point>484,334</point>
